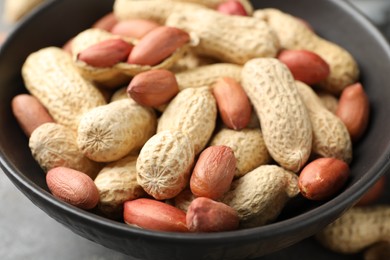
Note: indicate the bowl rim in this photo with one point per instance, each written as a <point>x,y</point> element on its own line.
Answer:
<point>335,206</point>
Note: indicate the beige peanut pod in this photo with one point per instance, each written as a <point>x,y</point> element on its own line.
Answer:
<point>207,75</point>
<point>108,133</point>
<point>191,60</point>
<point>261,194</point>
<point>154,10</point>
<point>284,119</point>
<point>117,183</point>
<point>14,10</point>
<point>121,72</point>
<point>234,39</point>
<point>330,101</point>
<point>164,164</point>
<point>213,4</point>
<point>293,34</point>
<point>357,229</point>
<point>248,146</point>
<point>194,112</point>
<point>330,135</point>
<point>53,145</point>
<point>50,75</point>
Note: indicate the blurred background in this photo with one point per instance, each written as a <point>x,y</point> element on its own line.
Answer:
<point>28,233</point>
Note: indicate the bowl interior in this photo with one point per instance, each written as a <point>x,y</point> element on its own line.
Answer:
<point>332,19</point>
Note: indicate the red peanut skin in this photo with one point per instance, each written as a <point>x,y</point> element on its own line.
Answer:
<point>73,187</point>
<point>233,103</point>
<point>305,66</point>
<point>153,88</point>
<point>135,28</point>
<point>206,215</point>
<point>29,112</point>
<point>107,22</point>
<point>106,53</point>
<point>323,178</point>
<point>232,7</point>
<point>374,193</point>
<point>158,45</point>
<point>213,172</point>
<point>154,215</point>
<point>354,110</point>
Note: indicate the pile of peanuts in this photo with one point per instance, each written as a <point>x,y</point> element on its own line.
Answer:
<point>211,113</point>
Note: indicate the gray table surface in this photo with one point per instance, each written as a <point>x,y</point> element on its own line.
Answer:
<point>28,233</point>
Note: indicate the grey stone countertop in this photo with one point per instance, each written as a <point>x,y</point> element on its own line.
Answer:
<point>28,233</point>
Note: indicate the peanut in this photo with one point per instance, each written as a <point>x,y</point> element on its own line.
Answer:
<point>259,196</point>
<point>157,45</point>
<point>106,53</point>
<point>164,164</point>
<point>150,9</point>
<point>134,28</point>
<point>323,178</point>
<point>153,88</point>
<point>232,102</point>
<point>284,119</point>
<point>248,146</point>
<point>207,75</point>
<point>378,251</point>
<point>154,215</point>
<point>295,35</point>
<point>120,73</point>
<point>374,193</point>
<point>107,22</point>
<point>183,199</point>
<point>328,100</point>
<point>193,111</point>
<point>357,229</point>
<point>110,132</point>
<point>306,66</point>
<point>14,11</point>
<point>53,145</point>
<point>232,7</point>
<point>213,4</point>
<point>234,39</point>
<point>29,112</point>
<point>73,187</point>
<point>354,110</point>
<point>213,172</point>
<point>49,75</point>
<point>117,183</point>
<point>206,215</point>
<point>330,135</point>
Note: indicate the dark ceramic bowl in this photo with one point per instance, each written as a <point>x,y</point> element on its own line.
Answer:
<point>57,21</point>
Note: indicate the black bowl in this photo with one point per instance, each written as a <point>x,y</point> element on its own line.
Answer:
<point>336,20</point>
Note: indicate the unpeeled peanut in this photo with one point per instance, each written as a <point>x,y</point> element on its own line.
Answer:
<point>73,187</point>
<point>354,110</point>
<point>110,132</point>
<point>284,119</point>
<point>213,172</point>
<point>29,112</point>
<point>232,102</point>
<point>164,164</point>
<point>357,229</point>
<point>323,178</point>
<point>207,215</point>
<point>154,215</point>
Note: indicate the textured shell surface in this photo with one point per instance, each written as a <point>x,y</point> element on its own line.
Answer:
<point>50,75</point>
<point>117,183</point>
<point>164,164</point>
<point>356,229</point>
<point>108,133</point>
<point>194,112</point>
<point>293,34</point>
<point>284,119</point>
<point>207,75</point>
<point>234,39</point>
<point>53,145</point>
<point>260,195</point>
<point>330,135</point>
<point>248,146</point>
